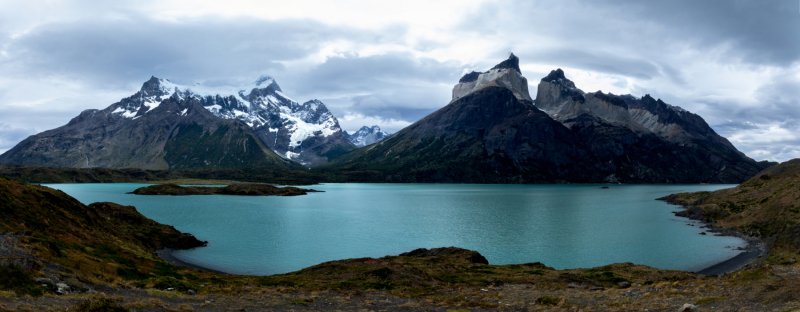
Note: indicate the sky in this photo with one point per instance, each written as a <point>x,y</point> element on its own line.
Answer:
<point>736,63</point>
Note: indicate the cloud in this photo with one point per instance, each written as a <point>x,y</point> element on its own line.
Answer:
<point>353,121</point>
<point>392,86</point>
<point>10,136</point>
<point>759,32</point>
<point>775,141</point>
<point>118,51</point>
<point>598,61</point>
<point>735,63</point>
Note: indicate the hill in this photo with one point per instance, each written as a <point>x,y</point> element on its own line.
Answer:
<point>766,206</point>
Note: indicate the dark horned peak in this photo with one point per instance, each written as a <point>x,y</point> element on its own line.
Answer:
<point>152,85</point>
<point>472,76</point>
<point>557,76</point>
<point>511,63</point>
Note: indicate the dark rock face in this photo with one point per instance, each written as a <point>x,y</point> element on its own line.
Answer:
<point>149,131</point>
<point>469,77</point>
<point>492,134</point>
<point>511,63</point>
<point>447,252</point>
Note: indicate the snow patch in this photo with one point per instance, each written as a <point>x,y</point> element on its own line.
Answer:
<point>124,112</point>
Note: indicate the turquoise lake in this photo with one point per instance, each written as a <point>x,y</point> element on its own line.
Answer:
<point>563,226</point>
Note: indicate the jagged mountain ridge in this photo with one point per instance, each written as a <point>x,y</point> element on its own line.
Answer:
<point>152,129</point>
<point>367,135</point>
<point>666,136</point>
<point>492,132</point>
<point>140,131</point>
<point>307,133</point>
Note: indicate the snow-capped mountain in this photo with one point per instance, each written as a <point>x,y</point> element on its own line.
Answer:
<point>159,127</point>
<point>169,126</point>
<point>307,133</point>
<point>367,135</point>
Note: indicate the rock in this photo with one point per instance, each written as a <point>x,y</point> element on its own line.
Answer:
<point>624,284</point>
<point>506,74</point>
<point>688,307</point>
<point>191,292</point>
<point>468,255</point>
<point>62,288</point>
<point>596,288</point>
<point>44,281</point>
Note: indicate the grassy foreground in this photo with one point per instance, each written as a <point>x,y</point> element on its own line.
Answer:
<point>57,254</point>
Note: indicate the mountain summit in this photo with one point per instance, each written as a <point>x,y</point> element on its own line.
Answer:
<point>506,74</point>
<point>492,132</point>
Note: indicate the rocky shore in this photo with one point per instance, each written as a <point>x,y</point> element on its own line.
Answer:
<point>753,251</point>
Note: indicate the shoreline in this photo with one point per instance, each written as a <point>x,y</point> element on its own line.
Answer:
<point>754,250</point>
<point>167,255</point>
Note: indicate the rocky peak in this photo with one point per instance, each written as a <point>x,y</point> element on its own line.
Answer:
<point>267,82</point>
<point>265,86</point>
<point>157,87</point>
<point>470,77</point>
<point>557,76</point>
<point>506,75</point>
<point>511,63</point>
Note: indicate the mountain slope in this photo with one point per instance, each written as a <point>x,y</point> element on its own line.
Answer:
<point>492,132</point>
<point>55,236</point>
<point>156,128</point>
<point>766,206</point>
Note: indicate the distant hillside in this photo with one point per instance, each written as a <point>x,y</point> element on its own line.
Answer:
<point>367,135</point>
<point>94,175</point>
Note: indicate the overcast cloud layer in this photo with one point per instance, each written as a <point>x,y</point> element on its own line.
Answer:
<point>736,63</point>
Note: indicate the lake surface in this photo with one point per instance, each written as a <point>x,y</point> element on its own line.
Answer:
<point>563,226</point>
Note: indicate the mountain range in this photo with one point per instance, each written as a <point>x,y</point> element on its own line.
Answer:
<point>169,126</point>
<point>492,131</point>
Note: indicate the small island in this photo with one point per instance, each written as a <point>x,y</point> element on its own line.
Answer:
<point>246,189</point>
